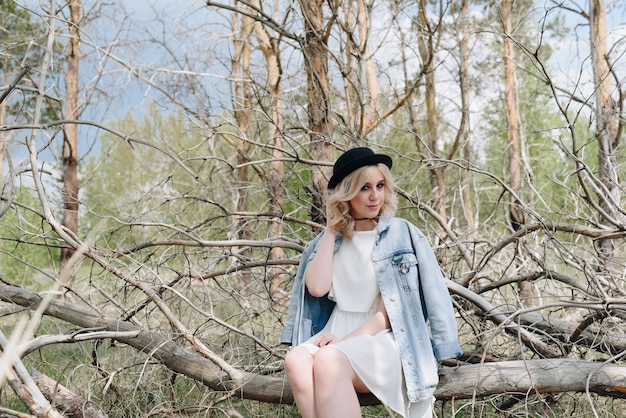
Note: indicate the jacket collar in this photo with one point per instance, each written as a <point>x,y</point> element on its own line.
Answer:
<point>384,222</point>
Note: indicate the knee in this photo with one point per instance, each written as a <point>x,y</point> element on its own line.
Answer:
<point>297,361</point>
<point>330,363</point>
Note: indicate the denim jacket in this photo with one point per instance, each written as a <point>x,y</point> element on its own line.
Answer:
<point>415,296</point>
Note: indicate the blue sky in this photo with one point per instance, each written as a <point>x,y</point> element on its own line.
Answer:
<point>144,16</point>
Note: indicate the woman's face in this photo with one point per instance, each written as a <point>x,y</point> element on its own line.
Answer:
<point>370,199</point>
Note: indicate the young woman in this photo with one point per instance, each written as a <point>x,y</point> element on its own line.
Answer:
<point>370,311</point>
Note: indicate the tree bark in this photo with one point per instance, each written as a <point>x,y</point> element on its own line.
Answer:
<point>607,117</point>
<point>66,401</point>
<point>70,140</point>
<point>22,383</point>
<point>512,113</point>
<point>467,195</point>
<point>431,135</point>
<point>532,376</point>
<point>361,85</point>
<point>242,27</point>
<point>275,184</point>
<point>318,100</point>
<point>516,213</point>
<point>464,381</point>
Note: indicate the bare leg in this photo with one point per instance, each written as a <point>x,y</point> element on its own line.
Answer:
<point>299,370</point>
<point>336,385</point>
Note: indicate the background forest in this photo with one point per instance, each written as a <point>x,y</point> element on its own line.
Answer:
<point>163,167</point>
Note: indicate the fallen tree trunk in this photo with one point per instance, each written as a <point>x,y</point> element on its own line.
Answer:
<point>532,376</point>
<point>172,355</point>
<point>23,384</point>
<point>66,401</point>
<point>465,381</point>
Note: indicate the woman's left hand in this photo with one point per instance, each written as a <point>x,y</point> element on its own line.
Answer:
<point>325,339</point>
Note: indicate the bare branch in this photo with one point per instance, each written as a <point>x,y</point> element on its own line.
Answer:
<point>73,337</point>
<point>121,135</point>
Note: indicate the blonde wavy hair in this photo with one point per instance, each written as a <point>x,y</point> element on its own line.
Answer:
<point>337,199</point>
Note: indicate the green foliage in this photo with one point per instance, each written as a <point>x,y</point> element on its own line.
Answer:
<point>147,217</point>
<point>23,45</point>
<point>130,185</point>
<point>27,247</point>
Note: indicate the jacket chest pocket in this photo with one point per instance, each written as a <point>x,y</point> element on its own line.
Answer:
<point>404,266</point>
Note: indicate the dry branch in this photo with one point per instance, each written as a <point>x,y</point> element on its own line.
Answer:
<point>23,384</point>
<point>72,405</point>
<point>532,376</point>
<point>462,382</point>
<point>9,413</point>
<point>501,319</point>
<point>171,354</point>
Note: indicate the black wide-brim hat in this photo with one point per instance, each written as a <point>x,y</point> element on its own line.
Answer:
<point>354,159</point>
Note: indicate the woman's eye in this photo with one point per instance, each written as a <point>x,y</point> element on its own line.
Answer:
<point>380,186</point>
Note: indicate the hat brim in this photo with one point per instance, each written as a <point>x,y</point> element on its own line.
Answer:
<point>356,164</point>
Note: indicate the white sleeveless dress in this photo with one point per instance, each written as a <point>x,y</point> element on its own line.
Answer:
<point>374,358</point>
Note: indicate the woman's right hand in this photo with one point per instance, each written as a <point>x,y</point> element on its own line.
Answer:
<point>335,227</point>
<point>325,339</point>
<point>319,272</point>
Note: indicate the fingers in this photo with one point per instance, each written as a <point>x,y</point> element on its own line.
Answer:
<point>325,339</point>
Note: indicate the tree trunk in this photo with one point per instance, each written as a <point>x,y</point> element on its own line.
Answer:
<point>360,76</point>
<point>70,140</point>
<point>516,213</point>
<point>271,51</point>
<point>464,381</point>
<point>371,111</point>
<point>467,195</point>
<point>429,152</point>
<point>607,114</point>
<point>66,401</point>
<point>531,377</point>
<point>22,383</point>
<point>512,113</point>
<point>315,53</point>
<point>242,26</point>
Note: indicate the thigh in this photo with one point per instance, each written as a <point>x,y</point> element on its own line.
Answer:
<point>337,359</point>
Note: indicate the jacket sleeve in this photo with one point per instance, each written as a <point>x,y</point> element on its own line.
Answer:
<point>294,313</point>
<point>307,314</point>
<point>437,302</point>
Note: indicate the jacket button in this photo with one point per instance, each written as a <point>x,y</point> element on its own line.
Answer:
<point>410,362</point>
<point>392,298</point>
<point>382,268</point>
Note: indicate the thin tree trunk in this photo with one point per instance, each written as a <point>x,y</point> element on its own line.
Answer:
<point>436,170</point>
<point>242,26</point>
<point>607,114</point>
<point>271,51</point>
<point>360,79</point>
<point>318,104</point>
<point>512,113</point>
<point>371,97</point>
<point>70,139</point>
<point>464,128</point>
<point>516,213</point>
